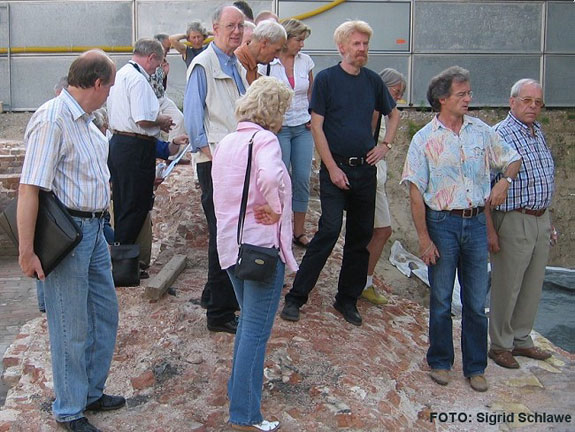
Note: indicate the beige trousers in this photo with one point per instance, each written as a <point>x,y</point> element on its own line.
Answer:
<point>517,273</point>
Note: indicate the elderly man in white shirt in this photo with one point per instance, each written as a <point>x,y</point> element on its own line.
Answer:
<point>135,122</point>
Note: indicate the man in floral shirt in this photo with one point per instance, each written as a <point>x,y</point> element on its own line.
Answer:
<point>448,169</point>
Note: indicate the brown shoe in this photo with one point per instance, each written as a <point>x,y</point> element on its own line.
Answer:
<point>503,358</point>
<point>478,383</point>
<point>533,352</point>
<point>440,376</point>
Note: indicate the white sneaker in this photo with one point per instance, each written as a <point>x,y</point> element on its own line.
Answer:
<point>267,426</point>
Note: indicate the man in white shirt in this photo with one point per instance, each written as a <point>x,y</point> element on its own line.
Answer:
<point>135,122</point>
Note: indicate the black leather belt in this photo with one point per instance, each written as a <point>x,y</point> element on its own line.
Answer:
<point>530,212</point>
<point>87,215</point>
<point>135,135</point>
<point>351,161</point>
<point>467,213</point>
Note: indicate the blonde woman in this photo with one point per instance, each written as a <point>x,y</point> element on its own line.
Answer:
<point>294,68</point>
<point>267,223</point>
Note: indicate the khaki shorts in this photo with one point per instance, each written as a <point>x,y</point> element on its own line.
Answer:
<point>382,218</point>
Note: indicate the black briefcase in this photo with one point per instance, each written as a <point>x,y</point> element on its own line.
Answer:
<point>56,234</point>
<point>125,264</point>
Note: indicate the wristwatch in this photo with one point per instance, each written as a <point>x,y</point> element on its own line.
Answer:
<point>509,179</point>
<point>388,145</point>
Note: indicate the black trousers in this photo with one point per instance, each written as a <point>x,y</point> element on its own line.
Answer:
<point>359,204</point>
<point>132,163</point>
<point>218,291</point>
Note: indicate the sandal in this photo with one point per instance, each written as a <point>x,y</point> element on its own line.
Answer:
<point>298,242</point>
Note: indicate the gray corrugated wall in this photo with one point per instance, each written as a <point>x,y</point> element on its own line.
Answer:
<point>498,41</point>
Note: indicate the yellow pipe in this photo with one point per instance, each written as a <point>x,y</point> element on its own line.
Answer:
<point>128,49</point>
<point>315,12</point>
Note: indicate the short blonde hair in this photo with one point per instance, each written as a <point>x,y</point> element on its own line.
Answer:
<point>265,103</point>
<point>296,28</point>
<point>345,30</point>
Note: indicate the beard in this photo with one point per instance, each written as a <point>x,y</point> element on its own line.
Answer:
<point>356,60</point>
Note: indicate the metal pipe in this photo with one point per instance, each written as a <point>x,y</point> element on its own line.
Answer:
<point>9,59</point>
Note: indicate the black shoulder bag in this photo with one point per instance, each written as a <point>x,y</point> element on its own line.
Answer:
<point>254,262</point>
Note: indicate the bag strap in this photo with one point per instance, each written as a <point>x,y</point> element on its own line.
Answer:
<point>244,203</point>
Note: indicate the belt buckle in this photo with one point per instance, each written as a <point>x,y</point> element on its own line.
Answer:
<point>354,161</point>
<point>467,213</point>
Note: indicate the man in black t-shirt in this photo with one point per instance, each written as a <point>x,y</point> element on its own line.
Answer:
<point>347,100</point>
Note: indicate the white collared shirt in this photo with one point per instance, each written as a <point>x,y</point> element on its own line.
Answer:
<point>131,100</point>
<point>67,153</point>
<point>298,113</point>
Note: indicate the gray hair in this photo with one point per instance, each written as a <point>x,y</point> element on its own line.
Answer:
<point>218,13</point>
<point>391,77</point>
<point>161,37</point>
<point>440,85</point>
<point>197,26</point>
<point>516,89</point>
<point>269,30</point>
<point>146,46</point>
<point>61,84</point>
<point>100,117</point>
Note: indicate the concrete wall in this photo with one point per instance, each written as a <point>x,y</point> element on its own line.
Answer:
<point>498,41</point>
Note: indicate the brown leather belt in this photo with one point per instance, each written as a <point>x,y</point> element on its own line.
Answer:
<point>467,213</point>
<point>530,212</point>
<point>135,135</point>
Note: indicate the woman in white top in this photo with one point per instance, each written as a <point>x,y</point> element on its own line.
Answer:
<point>295,70</point>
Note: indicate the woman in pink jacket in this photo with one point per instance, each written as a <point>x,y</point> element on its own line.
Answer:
<point>268,223</point>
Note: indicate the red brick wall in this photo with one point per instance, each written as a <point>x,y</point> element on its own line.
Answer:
<point>11,159</point>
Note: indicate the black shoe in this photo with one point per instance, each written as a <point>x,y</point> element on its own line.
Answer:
<point>349,312</point>
<point>144,274</point>
<point>80,425</point>
<point>107,403</point>
<point>227,327</point>
<point>290,312</point>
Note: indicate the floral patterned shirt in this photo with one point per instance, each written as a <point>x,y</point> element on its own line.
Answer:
<point>453,171</point>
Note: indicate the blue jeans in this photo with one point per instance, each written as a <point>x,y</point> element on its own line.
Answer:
<point>296,143</point>
<point>258,303</point>
<point>462,246</point>
<point>82,313</point>
<point>40,295</point>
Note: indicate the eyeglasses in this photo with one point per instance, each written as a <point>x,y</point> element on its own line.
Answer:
<point>529,101</point>
<point>463,94</point>
<point>232,27</point>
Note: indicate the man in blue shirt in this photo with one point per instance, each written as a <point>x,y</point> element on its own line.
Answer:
<point>343,134</point>
<point>215,81</point>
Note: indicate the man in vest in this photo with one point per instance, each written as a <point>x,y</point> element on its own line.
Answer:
<point>215,81</point>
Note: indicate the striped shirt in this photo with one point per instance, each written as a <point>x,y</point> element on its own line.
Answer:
<point>534,186</point>
<point>66,153</point>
